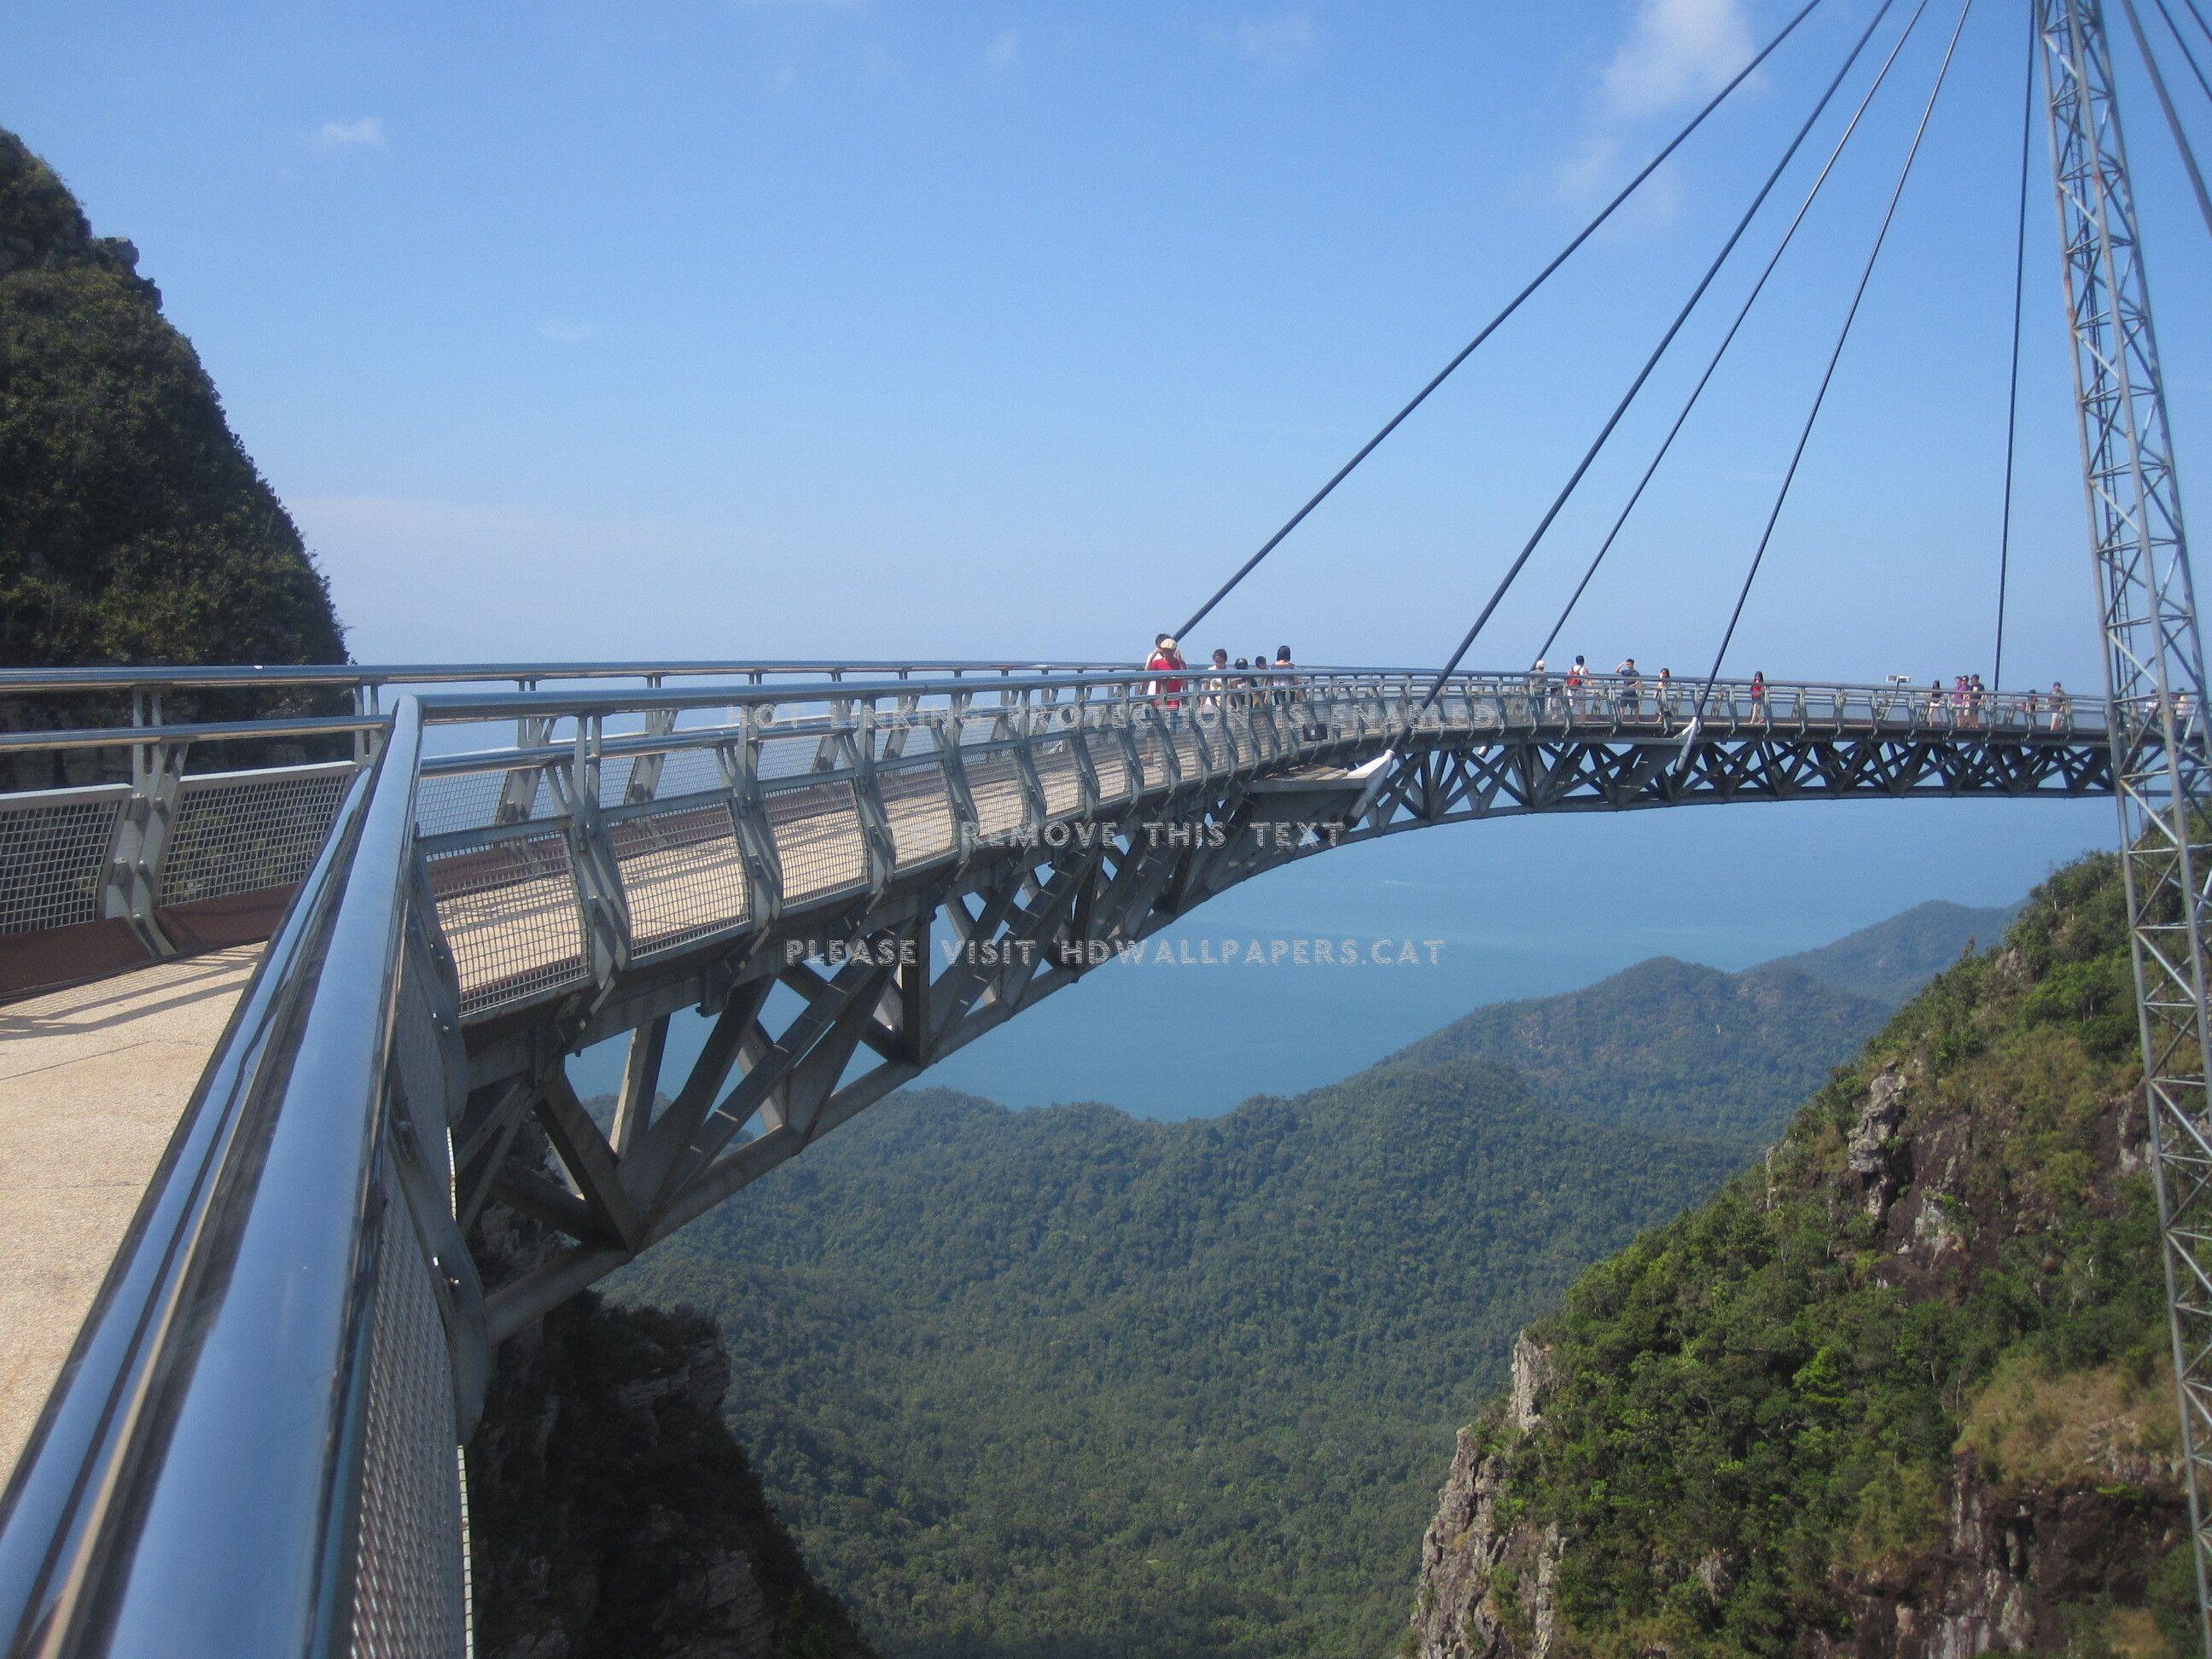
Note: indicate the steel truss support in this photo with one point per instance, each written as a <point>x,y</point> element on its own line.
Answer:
<point>1012,925</point>
<point>2154,676</point>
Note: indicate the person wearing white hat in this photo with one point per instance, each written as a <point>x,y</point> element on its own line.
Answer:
<point>1165,655</point>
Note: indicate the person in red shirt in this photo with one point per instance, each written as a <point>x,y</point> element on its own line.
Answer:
<point>1166,655</point>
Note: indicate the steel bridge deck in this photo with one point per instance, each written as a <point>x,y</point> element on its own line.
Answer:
<point>92,1080</point>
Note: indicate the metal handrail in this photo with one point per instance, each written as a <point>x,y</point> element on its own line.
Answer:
<point>126,737</point>
<point>858,680</point>
<point>186,1489</point>
<point>32,681</point>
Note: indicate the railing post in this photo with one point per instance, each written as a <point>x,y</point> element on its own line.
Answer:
<point>1077,718</point>
<point>603,910</point>
<point>644,781</point>
<point>130,884</point>
<point>1016,720</point>
<point>881,853</point>
<point>947,724</point>
<point>740,764</point>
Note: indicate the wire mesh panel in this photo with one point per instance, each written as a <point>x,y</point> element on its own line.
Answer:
<point>244,833</point>
<point>52,855</point>
<point>689,772</point>
<point>1152,756</point>
<point>1186,753</point>
<point>467,802</point>
<point>682,872</point>
<point>1108,761</point>
<point>920,809</point>
<point>509,913</point>
<point>818,839</point>
<point>1056,773</point>
<point>791,758</point>
<point>1002,809</point>
<point>409,1600</point>
<point>615,774</point>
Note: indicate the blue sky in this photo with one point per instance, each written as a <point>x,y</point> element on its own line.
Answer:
<point>766,330</point>
<point>881,327</point>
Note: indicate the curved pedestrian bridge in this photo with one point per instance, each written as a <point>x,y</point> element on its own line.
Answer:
<point>851,870</point>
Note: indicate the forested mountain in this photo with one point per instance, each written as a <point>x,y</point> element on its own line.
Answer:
<point>1890,961</point>
<point>133,527</point>
<point>1672,1045</point>
<point>1065,1381</point>
<point>1901,1388</point>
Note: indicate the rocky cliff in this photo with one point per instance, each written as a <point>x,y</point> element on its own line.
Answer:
<point>614,1515</point>
<point>1902,1389</point>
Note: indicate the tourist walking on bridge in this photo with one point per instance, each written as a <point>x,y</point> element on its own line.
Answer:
<point>1628,701</point>
<point>2062,708</point>
<point>1167,688</point>
<point>1758,697</point>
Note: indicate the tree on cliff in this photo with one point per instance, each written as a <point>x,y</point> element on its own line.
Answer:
<point>133,527</point>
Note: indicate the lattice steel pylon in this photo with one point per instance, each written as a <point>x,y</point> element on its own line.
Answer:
<point>2155,674</point>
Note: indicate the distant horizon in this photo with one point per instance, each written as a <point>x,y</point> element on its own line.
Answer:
<point>1087,1036</point>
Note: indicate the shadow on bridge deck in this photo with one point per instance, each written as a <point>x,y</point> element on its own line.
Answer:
<point>92,1080</point>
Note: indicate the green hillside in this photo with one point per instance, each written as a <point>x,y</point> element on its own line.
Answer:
<point>1674,1046</point>
<point>1065,1381</point>
<point>1670,1045</point>
<point>1899,1389</point>
<point>133,527</point>
<point>1891,960</point>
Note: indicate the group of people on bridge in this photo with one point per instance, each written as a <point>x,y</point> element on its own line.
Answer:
<point>1244,683</point>
<point>1580,694</point>
<point>1970,704</point>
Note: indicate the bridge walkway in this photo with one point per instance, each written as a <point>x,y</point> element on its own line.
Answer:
<point>92,1080</point>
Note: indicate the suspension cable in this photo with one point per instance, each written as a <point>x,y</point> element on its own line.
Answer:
<point>1743,312</point>
<point>2199,16</point>
<point>1651,362</point>
<point>1828,375</point>
<point>2011,405</point>
<point>2181,40</point>
<point>1492,325</point>
<point>2172,120</point>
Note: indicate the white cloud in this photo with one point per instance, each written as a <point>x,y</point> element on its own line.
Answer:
<point>1677,51</point>
<point>367,133</point>
<point>553,328</point>
<point>1681,50</point>
<point>1003,52</point>
<point>1277,43</point>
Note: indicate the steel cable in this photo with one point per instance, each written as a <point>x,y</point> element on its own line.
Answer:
<point>2181,40</point>
<point>1713,366</point>
<point>2199,16</point>
<point>2011,405</point>
<point>1650,363</point>
<point>1828,375</point>
<point>2172,120</point>
<point>1492,325</point>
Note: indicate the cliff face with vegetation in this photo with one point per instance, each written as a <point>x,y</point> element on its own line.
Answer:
<point>133,527</point>
<point>1066,1383</point>
<point>1901,1388</point>
<point>616,1517</point>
